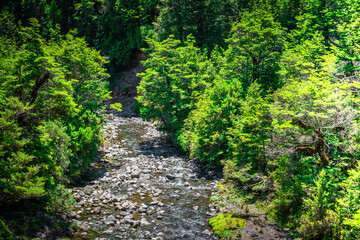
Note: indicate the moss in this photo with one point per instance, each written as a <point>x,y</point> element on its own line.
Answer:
<point>214,198</point>
<point>227,225</point>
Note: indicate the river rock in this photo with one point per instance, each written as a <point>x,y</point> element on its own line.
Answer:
<point>129,218</point>
<point>97,210</point>
<point>125,205</point>
<point>144,222</point>
<point>135,174</point>
<point>40,235</point>
<point>111,220</point>
<point>207,232</point>
<point>87,190</point>
<point>72,215</point>
<point>85,226</point>
<point>76,196</point>
<point>143,208</point>
<point>139,166</point>
<point>136,223</point>
<point>109,231</point>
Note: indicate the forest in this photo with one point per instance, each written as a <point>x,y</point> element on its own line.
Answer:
<point>264,91</point>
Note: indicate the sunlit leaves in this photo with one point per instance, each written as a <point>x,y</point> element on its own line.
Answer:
<point>175,77</point>
<point>51,110</point>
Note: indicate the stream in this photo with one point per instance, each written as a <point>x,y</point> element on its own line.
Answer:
<point>143,188</point>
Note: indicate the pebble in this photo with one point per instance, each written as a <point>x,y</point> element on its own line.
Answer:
<point>87,190</point>
<point>144,222</point>
<point>85,226</point>
<point>132,192</point>
<point>97,210</point>
<point>207,232</point>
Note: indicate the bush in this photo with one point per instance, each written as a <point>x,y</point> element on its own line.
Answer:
<point>5,233</point>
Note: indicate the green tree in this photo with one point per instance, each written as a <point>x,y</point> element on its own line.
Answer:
<point>345,45</point>
<point>50,110</point>
<point>207,20</point>
<point>348,204</point>
<point>175,77</point>
<point>285,11</point>
<point>254,50</point>
<point>315,117</point>
<point>317,16</point>
<point>115,26</point>
<point>206,130</point>
<point>319,220</point>
<point>250,130</point>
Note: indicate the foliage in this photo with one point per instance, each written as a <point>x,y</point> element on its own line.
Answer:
<point>177,73</point>
<point>266,90</point>
<point>50,111</point>
<point>318,16</point>
<point>60,200</point>
<point>218,117</point>
<point>254,49</point>
<point>111,25</point>
<point>249,134</point>
<point>280,111</point>
<point>116,106</point>
<point>348,204</point>
<point>224,225</point>
<point>206,129</point>
<point>214,198</point>
<point>314,116</point>
<point>207,20</point>
<point>5,233</point>
<point>319,220</point>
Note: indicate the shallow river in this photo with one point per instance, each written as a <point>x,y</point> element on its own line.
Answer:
<point>143,188</point>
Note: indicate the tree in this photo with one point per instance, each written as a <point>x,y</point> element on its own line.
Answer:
<point>285,11</point>
<point>317,16</point>
<point>208,21</point>
<point>206,130</point>
<point>175,77</point>
<point>115,26</point>
<point>50,110</point>
<point>254,49</point>
<point>315,117</point>
<point>348,204</point>
<point>345,44</point>
<point>249,133</point>
<point>319,221</point>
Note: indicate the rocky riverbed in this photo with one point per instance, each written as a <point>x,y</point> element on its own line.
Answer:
<point>143,188</point>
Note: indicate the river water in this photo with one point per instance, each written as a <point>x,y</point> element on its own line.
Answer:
<point>143,188</point>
